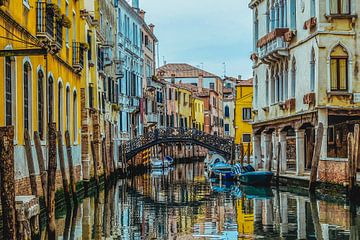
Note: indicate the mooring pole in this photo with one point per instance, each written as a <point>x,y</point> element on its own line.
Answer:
<point>30,162</point>
<point>71,166</point>
<point>41,162</point>
<point>62,168</point>
<point>51,180</point>
<point>95,162</point>
<point>316,157</point>
<point>7,173</point>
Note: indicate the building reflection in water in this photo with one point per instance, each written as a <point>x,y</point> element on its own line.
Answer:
<point>182,204</point>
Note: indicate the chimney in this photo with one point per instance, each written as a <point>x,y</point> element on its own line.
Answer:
<point>151,26</point>
<point>142,14</point>
<point>172,78</point>
<point>200,82</point>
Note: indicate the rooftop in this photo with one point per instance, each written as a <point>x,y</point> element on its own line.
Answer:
<point>248,82</point>
<point>183,70</point>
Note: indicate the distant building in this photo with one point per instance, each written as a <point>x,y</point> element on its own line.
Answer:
<point>209,88</point>
<point>229,106</point>
<point>198,118</point>
<point>243,112</point>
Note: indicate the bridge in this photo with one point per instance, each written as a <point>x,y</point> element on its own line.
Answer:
<point>167,136</point>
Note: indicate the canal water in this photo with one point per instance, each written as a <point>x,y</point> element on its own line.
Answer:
<point>181,203</point>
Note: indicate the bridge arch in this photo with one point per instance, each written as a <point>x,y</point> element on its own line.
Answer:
<point>222,146</point>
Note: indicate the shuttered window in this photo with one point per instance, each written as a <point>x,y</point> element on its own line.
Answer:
<point>339,69</point>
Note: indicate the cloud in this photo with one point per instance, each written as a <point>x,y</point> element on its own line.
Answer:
<point>203,31</point>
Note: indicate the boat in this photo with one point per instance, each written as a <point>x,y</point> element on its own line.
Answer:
<point>157,163</point>
<point>222,170</point>
<point>251,192</point>
<point>248,175</point>
<point>213,158</point>
<point>170,160</point>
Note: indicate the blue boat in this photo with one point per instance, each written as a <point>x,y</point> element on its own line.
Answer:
<point>248,175</point>
<point>221,170</point>
<point>169,159</point>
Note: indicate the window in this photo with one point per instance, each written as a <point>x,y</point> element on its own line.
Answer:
<point>331,135</point>
<point>256,29</point>
<point>246,114</point>
<point>339,69</point>
<point>267,89</point>
<point>312,8</point>
<point>27,93</point>
<point>67,108</point>
<point>227,111</point>
<point>212,86</point>
<point>286,81</point>
<point>312,70</point>
<point>246,138</point>
<point>40,92</point>
<point>8,91</point>
<point>293,78</point>
<point>267,17</point>
<point>67,29</point>
<point>75,117</point>
<point>256,91</point>
<point>50,99</point>
<point>293,14</point>
<point>227,128</point>
<point>339,6</point>
<point>60,106</point>
<point>272,89</point>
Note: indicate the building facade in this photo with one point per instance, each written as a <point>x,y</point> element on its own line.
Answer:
<point>229,106</point>
<point>41,87</point>
<point>243,113</point>
<point>209,88</point>
<point>304,62</point>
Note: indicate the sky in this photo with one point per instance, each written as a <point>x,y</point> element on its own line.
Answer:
<point>203,33</point>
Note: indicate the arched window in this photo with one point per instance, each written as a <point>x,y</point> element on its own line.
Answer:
<point>272,93</point>
<point>227,111</point>
<point>312,70</point>
<point>9,89</point>
<point>50,99</point>
<point>67,108</point>
<point>60,106</point>
<point>27,96</point>
<point>286,81</point>
<point>268,16</point>
<point>256,29</point>
<point>340,6</point>
<point>75,118</point>
<point>293,78</point>
<point>339,69</point>
<point>312,8</point>
<point>40,92</point>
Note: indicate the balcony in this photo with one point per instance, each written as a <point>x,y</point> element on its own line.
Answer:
<point>150,84</point>
<point>58,43</point>
<point>273,46</point>
<point>45,21</point>
<point>152,118</point>
<point>78,56</point>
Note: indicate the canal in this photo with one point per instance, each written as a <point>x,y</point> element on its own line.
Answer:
<point>181,203</point>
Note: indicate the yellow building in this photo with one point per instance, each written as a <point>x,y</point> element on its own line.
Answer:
<point>245,216</point>
<point>42,70</point>
<point>184,106</point>
<point>198,113</point>
<point>243,112</point>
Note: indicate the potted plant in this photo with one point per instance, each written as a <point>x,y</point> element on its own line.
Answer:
<point>66,22</point>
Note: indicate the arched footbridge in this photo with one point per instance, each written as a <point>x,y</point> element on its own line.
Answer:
<point>222,146</point>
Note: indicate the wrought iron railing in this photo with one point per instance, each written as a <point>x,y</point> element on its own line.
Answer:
<point>78,55</point>
<point>45,20</point>
<point>59,33</point>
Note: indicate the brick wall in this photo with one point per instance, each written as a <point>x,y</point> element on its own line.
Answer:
<point>333,171</point>
<point>22,186</point>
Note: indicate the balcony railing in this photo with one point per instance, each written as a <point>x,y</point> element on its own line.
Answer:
<point>58,43</point>
<point>274,50</point>
<point>78,56</point>
<point>45,20</point>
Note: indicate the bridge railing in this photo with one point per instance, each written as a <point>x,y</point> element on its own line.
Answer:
<point>180,135</point>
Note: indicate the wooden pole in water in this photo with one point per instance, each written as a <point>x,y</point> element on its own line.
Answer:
<point>241,154</point>
<point>315,216</point>
<point>104,160</point>
<point>278,161</point>
<point>41,162</point>
<point>51,180</point>
<point>7,173</point>
<point>30,163</point>
<point>350,143</point>
<point>316,157</point>
<point>62,168</point>
<point>95,162</point>
<point>71,166</point>
<point>248,152</point>
<point>354,159</point>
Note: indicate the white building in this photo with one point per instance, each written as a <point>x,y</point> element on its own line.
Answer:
<point>229,107</point>
<point>305,72</point>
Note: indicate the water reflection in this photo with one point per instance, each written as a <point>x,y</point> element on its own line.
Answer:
<point>182,204</point>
